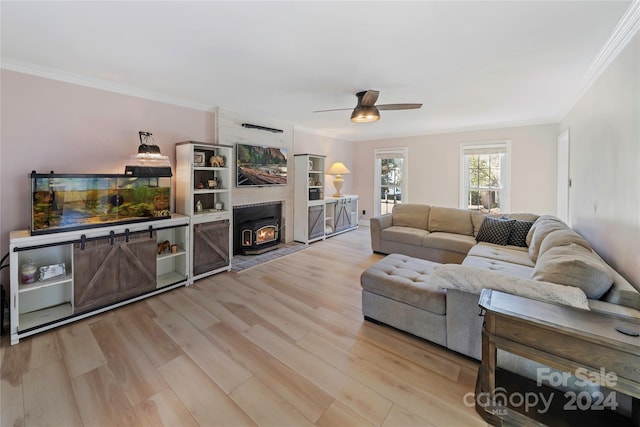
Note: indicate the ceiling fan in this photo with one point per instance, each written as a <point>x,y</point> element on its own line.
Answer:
<point>367,111</point>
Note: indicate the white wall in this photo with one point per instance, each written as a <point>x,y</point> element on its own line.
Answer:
<point>604,129</point>
<point>434,167</point>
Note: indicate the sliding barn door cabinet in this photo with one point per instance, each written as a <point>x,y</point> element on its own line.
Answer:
<point>62,277</point>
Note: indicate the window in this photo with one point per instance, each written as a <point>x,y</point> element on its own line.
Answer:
<point>485,176</point>
<point>391,181</point>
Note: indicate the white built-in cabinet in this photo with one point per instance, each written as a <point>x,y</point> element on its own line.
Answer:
<point>203,192</point>
<point>317,217</point>
<point>341,214</point>
<point>103,268</point>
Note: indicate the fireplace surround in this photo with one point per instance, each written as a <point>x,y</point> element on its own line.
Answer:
<point>257,228</point>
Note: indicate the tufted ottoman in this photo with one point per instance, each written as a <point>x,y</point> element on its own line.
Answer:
<point>396,292</point>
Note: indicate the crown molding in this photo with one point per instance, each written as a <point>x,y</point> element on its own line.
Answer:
<point>320,132</point>
<point>625,30</point>
<point>63,76</point>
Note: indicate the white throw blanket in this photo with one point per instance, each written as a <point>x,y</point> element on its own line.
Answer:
<point>473,280</point>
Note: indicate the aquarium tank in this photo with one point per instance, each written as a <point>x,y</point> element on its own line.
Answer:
<point>65,202</point>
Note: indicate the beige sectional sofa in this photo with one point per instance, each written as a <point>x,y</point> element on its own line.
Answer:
<point>411,291</point>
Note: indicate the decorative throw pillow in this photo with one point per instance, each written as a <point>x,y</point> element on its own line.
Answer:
<point>495,230</point>
<point>518,236</point>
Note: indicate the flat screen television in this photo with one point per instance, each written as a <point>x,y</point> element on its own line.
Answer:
<point>260,166</point>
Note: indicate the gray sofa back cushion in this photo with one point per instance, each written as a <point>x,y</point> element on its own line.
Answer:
<point>539,230</point>
<point>562,238</point>
<point>476,219</point>
<point>411,215</point>
<point>573,265</point>
<point>450,220</point>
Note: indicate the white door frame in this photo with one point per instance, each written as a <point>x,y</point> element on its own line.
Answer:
<point>377,153</point>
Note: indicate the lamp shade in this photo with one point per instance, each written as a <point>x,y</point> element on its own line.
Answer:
<point>338,168</point>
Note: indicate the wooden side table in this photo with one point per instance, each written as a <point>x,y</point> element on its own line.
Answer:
<point>583,343</point>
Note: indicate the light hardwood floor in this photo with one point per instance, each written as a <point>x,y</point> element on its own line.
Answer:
<point>281,344</point>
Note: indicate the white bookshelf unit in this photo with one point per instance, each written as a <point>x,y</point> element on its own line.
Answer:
<point>203,192</point>
<point>317,217</point>
<point>104,267</point>
<point>308,205</point>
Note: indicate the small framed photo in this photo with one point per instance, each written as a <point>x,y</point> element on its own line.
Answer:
<point>199,158</point>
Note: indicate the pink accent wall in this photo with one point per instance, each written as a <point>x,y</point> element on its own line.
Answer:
<point>336,151</point>
<point>51,125</point>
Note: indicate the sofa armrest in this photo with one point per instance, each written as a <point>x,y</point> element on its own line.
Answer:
<point>377,224</point>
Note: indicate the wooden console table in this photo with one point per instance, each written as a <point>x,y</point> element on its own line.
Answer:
<point>581,342</point>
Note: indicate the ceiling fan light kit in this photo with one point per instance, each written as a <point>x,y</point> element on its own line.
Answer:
<point>365,115</point>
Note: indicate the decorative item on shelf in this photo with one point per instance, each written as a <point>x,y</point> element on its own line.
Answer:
<point>219,206</point>
<point>217,161</point>
<point>50,271</point>
<point>28,272</point>
<point>174,249</point>
<point>315,194</point>
<point>164,246</point>
<point>310,165</point>
<point>212,183</point>
<point>338,169</point>
<point>200,186</point>
<point>198,206</point>
<point>199,158</point>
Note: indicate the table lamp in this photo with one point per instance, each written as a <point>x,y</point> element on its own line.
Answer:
<point>338,169</point>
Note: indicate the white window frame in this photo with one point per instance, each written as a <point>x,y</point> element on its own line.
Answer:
<point>467,148</point>
<point>386,153</point>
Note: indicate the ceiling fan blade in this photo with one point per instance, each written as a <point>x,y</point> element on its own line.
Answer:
<point>333,109</point>
<point>368,98</point>
<point>398,106</point>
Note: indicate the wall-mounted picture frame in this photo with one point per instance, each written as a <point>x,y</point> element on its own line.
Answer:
<point>199,158</point>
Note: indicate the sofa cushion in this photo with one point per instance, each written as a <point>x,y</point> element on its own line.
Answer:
<point>450,220</point>
<point>515,270</point>
<point>522,216</point>
<point>449,242</point>
<point>476,219</point>
<point>510,254</point>
<point>573,265</point>
<point>518,236</point>
<point>539,230</point>
<point>405,279</point>
<point>495,230</point>
<point>408,235</point>
<point>411,215</point>
<point>562,238</point>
